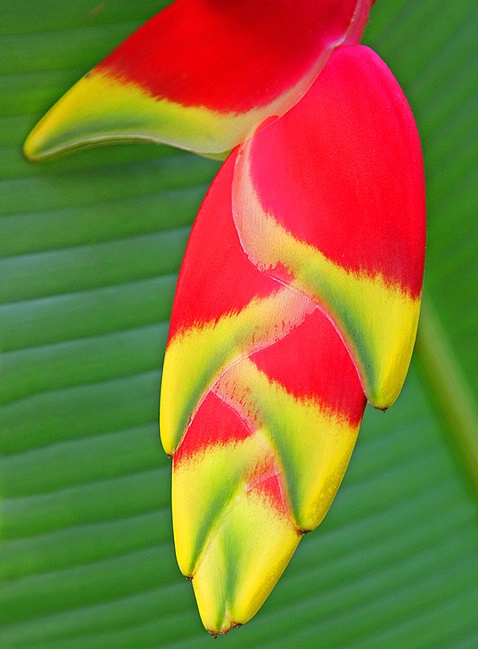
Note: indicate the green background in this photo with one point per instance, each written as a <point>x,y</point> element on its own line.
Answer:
<point>90,246</point>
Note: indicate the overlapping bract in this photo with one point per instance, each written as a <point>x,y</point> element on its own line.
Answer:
<point>299,294</point>
<point>261,419</point>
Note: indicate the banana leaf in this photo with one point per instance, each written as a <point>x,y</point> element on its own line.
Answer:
<point>90,247</point>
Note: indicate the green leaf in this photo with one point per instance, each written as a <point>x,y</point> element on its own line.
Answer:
<point>90,246</point>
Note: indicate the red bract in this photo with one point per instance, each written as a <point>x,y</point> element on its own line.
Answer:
<point>202,74</point>
<point>299,294</point>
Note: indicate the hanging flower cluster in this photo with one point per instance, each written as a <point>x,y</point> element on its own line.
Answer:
<point>298,298</point>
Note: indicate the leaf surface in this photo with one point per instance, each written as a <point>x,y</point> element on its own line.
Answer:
<point>86,554</point>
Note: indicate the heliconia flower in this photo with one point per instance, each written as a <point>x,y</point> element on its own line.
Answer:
<point>201,74</point>
<point>261,406</point>
<point>299,294</point>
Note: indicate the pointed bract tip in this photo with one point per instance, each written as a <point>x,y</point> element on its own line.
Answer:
<point>32,148</point>
<point>91,112</point>
<point>224,630</point>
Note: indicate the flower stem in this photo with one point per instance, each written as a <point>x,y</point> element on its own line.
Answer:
<point>450,391</point>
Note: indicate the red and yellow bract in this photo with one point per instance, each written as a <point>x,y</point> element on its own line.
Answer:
<point>299,294</point>
<point>201,74</point>
<point>317,194</point>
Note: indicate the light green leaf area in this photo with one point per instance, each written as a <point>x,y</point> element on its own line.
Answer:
<point>90,246</point>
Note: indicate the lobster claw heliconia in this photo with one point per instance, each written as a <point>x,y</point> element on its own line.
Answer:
<point>299,295</point>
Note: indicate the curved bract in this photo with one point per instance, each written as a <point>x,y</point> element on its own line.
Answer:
<point>299,294</point>
<point>201,75</point>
